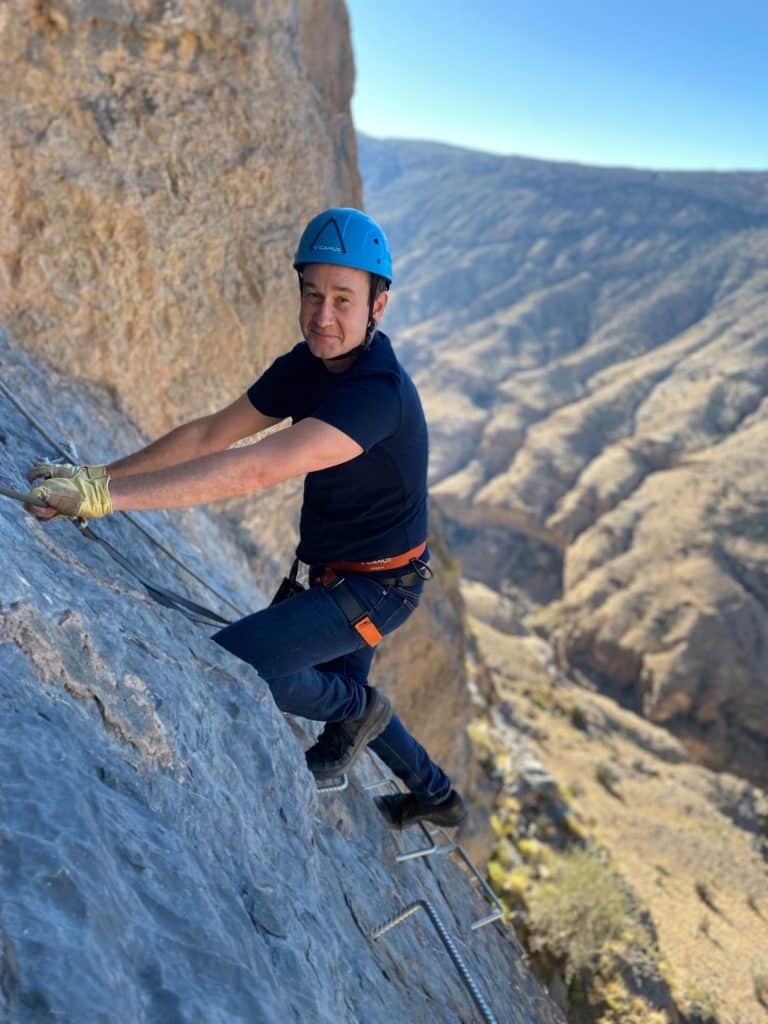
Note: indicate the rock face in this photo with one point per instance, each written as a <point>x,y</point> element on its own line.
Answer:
<point>592,348</point>
<point>158,161</point>
<point>165,856</point>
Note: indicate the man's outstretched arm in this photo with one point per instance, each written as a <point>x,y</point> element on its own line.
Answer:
<point>308,446</point>
<point>195,439</point>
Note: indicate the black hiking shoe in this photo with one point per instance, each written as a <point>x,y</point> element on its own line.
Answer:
<point>341,743</point>
<point>403,809</point>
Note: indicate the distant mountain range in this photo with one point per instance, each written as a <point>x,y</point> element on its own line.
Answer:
<point>592,348</point>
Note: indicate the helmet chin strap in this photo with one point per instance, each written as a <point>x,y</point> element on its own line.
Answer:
<point>364,345</point>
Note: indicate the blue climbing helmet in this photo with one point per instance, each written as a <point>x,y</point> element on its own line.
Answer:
<point>347,238</point>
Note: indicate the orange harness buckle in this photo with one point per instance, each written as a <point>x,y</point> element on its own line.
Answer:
<point>362,624</point>
<point>368,630</point>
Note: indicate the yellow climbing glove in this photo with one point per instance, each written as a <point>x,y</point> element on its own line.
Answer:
<point>49,470</point>
<point>85,495</point>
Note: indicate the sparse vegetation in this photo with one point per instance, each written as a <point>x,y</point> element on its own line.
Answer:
<point>539,700</point>
<point>578,718</point>
<point>619,1006</point>
<point>573,790</point>
<point>753,903</point>
<point>581,909</point>
<point>609,778</point>
<point>703,1005</point>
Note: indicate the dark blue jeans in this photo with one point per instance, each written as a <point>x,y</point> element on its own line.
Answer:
<point>317,666</point>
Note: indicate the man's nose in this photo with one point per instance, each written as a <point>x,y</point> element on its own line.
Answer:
<point>324,312</point>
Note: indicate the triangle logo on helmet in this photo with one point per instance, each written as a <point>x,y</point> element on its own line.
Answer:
<point>328,238</point>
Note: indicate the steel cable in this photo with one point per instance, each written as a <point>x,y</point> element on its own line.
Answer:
<point>167,595</point>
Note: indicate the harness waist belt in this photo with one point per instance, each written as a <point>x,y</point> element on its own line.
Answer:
<point>379,564</point>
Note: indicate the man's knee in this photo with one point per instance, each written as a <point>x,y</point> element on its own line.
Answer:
<point>253,645</point>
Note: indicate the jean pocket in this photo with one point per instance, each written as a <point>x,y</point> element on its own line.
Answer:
<point>399,605</point>
<point>388,606</point>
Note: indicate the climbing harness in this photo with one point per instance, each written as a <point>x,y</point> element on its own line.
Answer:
<point>354,612</point>
<point>337,587</point>
<point>379,564</point>
<point>195,612</point>
<point>290,586</point>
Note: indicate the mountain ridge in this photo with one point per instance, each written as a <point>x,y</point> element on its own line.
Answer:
<point>582,350</point>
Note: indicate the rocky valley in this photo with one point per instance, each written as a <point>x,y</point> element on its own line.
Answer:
<point>592,348</point>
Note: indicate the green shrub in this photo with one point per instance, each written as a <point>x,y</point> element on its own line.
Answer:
<point>579,911</point>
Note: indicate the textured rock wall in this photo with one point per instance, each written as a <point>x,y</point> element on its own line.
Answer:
<point>164,855</point>
<point>157,162</point>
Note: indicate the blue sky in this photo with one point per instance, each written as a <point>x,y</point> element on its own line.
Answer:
<point>667,85</point>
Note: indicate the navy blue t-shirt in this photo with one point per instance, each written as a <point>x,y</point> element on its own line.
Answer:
<point>375,505</point>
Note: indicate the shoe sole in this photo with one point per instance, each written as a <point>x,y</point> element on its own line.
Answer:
<point>375,727</point>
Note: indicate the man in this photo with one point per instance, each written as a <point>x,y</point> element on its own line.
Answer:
<point>358,433</point>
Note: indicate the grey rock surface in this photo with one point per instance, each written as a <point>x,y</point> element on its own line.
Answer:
<point>164,854</point>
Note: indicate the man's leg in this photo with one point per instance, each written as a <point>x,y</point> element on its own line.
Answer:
<point>396,747</point>
<point>287,642</point>
<point>406,757</point>
<point>317,667</point>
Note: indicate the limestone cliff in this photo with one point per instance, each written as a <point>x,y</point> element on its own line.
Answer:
<point>157,161</point>
<point>165,855</point>
<point>157,164</point>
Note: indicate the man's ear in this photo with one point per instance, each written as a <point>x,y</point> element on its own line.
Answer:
<point>379,305</point>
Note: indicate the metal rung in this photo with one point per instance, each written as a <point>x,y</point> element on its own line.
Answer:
<point>450,847</point>
<point>337,785</point>
<point>467,979</point>
<point>489,894</point>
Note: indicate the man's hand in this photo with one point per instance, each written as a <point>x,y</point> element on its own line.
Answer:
<point>45,469</point>
<point>83,495</point>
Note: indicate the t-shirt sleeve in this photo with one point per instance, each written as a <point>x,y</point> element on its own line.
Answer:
<point>367,410</point>
<point>271,393</point>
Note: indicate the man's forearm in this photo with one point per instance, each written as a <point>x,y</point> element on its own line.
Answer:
<point>180,445</point>
<point>213,477</point>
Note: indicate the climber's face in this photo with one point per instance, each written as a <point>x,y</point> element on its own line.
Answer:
<point>334,309</point>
